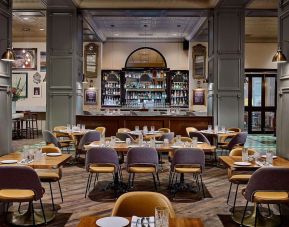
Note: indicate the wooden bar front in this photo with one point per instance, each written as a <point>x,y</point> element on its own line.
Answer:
<point>177,124</point>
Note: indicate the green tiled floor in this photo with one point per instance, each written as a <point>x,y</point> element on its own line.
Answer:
<point>261,142</point>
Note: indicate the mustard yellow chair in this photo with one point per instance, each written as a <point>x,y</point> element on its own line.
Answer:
<point>123,130</point>
<point>51,175</point>
<point>235,178</point>
<point>183,139</point>
<point>190,129</point>
<point>142,204</point>
<point>101,130</point>
<point>164,130</point>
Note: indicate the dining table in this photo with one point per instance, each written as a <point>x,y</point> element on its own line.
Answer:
<point>215,136</point>
<point>235,163</point>
<point>90,221</point>
<point>46,162</point>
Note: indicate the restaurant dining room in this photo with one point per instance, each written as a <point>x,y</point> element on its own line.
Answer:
<point>164,113</point>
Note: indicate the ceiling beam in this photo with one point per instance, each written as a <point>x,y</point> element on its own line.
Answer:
<point>198,26</point>
<point>87,17</point>
<point>261,12</point>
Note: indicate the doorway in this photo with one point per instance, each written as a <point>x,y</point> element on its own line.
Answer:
<point>260,101</point>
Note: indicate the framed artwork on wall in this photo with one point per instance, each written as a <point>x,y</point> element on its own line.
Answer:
<point>42,61</point>
<point>36,91</point>
<point>90,60</point>
<point>25,59</point>
<point>20,81</point>
<point>199,62</point>
<point>199,97</point>
<point>90,96</point>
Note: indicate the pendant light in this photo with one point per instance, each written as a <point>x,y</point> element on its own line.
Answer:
<point>8,55</point>
<point>279,57</point>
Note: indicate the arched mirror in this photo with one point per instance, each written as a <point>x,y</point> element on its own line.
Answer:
<point>145,57</point>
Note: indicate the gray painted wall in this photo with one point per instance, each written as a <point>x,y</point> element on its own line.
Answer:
<point>64,59</point>
<point>5,79</point>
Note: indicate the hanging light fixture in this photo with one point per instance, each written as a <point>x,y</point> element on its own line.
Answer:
<point>8,55</point>
<point>279,57</point>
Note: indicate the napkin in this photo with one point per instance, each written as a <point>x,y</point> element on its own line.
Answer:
<point>145,222</point>
<point>262,164</point>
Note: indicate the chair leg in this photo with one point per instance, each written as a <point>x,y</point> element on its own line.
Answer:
<point>88,179</point>
<point>60,191</point>
<point>155,183</point>
<point>170,178</point>
<point>158,178</point>
<point>128,182</point>
<point>256,217</point>
<point>132,183</point>
<point>236,193</point>
<point>96,177</point>
<point>202,186</point>
<point>43,213</point>
<point>19,207</point>
<point>244,213</point>
<point>279,206</point>
<point>53,206</point>
<point>228,197</point>
<point>32,211</point>
<point>269,210</point>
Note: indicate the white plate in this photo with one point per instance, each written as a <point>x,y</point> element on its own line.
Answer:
<point>120,141</point>
<point>93,145</point>
<point>12,161</point>
<point>264,156</point>
<point>230,131</point>
<point>54,154</point>
<point>133,145</point>
<point>112,221</point>
<point>176,146</point>
<point>159,142</point>
<point>199,142</point>
<point>242,163</point>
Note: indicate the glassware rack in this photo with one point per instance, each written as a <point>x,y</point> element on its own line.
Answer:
<point>179,88</point>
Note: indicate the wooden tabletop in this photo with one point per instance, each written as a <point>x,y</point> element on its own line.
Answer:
<point>219,134</point>
<point>123,147</point>
<point>228,161</point>
<point>47,162</point>
<point>89,221</point>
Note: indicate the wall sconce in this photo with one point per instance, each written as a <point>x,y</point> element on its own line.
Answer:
<point>8,55</point>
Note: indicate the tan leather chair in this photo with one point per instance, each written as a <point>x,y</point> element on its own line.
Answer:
<point>225,139</point>
<point>122,130</point>
<point>240,178</point>
<point>190,129</point>
<point>141,204</point>
<point>102,130</point>
<point>51,175</point>
<point>164,130</point>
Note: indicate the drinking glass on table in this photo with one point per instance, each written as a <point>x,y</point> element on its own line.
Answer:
<point>128,141</point>
<point>112,140</point>
<point>136,128</point>
<point>152,128</point>
<point>140,139</point>
<point>195,142</point>
<point>161,217</point>
<point>269,157</point>
<point>166,142</point>
<point>178,139</point>
<point>145,129</point>
<point>83,127</point>
<point>223,129</point>
<point>245,156</point>
<point>68,127</point>
<point>216,128</point>
<point>209,128</point>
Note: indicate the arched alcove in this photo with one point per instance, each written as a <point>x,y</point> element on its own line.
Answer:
<point>145,57</point>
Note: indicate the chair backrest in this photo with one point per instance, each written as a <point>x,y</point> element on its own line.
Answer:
<point>189,156</point>
<point>21,177</point>
<point>268,179</point>
<point>123,136</point>
<point>164,130</point>
<point>142,204</point>
<point>170,136</point>
<point>88,138</point>
<point>190,129</point>
<point>50,149</point>
<point>184,139</point>
<point>234,129</point>
<point>102,130</point>
<point>201,137</point>
<point>142,156</point>
<point>239,139</point>
<point>49,138</point>
<point>101,156</point>
<point>123,130</point>
<point>238,152</point>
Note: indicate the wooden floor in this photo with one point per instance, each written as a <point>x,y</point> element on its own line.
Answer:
<point>101,203</point>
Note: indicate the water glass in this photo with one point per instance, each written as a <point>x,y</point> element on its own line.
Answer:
<point>112,141</point>
<point>68,128</point>
<point>161,217</point>
<point>178,139</point>
<point>216,128</point>
<point>136,128</point>
<point>269,157</point>
<point>102,139</point>
<point>152,142</point>
<point>152,128</point>
<point>223,129</point>
<point>145,129</point>
<point>83,127</point>
<point>166,142</point>
<point>195,141</point>
<point>128,141</point>
<point>140,139</point>
<point>38,155</point>
<point>209,128</point>
<point>245,156</point>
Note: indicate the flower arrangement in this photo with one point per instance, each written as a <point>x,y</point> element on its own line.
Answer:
<point>16,91</point>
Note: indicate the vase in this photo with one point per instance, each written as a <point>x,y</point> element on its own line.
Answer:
<point>13,107</point>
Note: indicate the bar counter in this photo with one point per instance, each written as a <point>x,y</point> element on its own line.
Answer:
<point>112,122</point>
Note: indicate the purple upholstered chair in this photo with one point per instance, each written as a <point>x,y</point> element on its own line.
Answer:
<point>87,138</point>
<point>264,183</point>
<point>188,160</point>
<point>24,179</point>
<point>201,137</point>
<point>237,141</point>
<point>49,138</point>
<point>101,160</point>
<point>170,136</point>
<point>142,160</point>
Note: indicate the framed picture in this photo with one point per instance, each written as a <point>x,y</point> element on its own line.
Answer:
<point>199,62</point>
<point>90,96</point>
<point>25,59</point>
<point>199,97</point>
<point>20,81</point>
<point>42,61</point>
<point>36,91</point>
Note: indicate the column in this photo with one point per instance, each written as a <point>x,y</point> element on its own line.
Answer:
<point>5,78</point>
<point>64,69</point>
<point>226,63</point>
<point>282,129</point>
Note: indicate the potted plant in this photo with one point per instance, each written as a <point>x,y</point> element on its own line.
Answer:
<point>16,94</point>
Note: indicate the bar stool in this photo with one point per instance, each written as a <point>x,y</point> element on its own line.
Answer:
<point>29,125</point>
